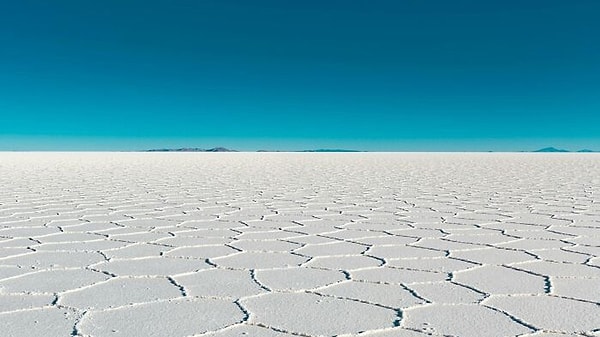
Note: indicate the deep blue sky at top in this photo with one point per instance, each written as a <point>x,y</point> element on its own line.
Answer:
<point>371,75</point>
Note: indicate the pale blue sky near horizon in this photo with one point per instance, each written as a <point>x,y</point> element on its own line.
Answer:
<point>411,75</point>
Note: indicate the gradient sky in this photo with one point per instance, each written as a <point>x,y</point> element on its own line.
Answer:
<point>369,75</point>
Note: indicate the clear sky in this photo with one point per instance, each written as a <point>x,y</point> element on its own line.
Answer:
<point>405,75</point>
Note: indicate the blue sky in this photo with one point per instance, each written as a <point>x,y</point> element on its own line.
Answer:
<point>369,75</point>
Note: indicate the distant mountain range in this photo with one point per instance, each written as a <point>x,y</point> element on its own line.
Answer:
<point>329,150</point>
<point>193,149</point>
<point>553,149</point>
<point>223,149</point>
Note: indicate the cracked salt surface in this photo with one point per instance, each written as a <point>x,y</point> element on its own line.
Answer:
<point>280,244</point>
<point>317,315</point>
<point>182,317</point>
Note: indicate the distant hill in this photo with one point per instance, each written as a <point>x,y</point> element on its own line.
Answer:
<point>193,149</point>
<point>553,149</point>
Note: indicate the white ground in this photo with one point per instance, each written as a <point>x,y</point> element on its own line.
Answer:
<point>276,244</point>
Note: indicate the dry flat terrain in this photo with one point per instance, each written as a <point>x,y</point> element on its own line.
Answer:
<point>299,244</point>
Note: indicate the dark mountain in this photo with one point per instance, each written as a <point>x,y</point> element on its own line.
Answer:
<point>551,149</point>
<point>586,151</point>
<point>220,149</point>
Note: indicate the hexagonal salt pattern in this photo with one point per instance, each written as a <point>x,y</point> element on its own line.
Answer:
<point>284,244</point>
